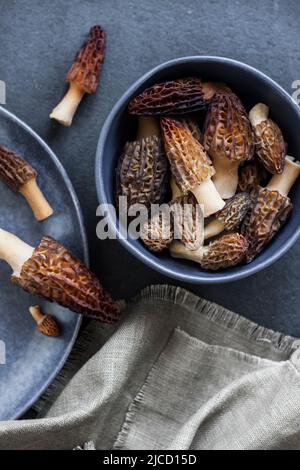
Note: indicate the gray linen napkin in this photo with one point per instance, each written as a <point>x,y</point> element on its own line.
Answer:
<point>179,372</point>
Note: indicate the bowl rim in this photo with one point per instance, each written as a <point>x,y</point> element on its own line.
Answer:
<point>218,277</point>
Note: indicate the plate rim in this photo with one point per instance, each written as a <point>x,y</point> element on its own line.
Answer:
<point>82,231</point>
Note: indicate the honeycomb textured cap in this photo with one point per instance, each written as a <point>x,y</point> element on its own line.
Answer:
<point>225,252</point>
<point>235,210</point>
<point>190,163</point>
<point>158,232</point>
<point>227,129</point>
<point>86,69</point>
<point>14,170</point>
<point>142,172</point>
<point>270,146</point>
<point>188,221</point>
<point>267,217</point>
<point>48,326</point>
<point>54,273</point>
<point>251,175</point>
<point>191,123</point>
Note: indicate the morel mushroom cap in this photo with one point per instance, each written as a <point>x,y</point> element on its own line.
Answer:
<point>190,165</point>
<point>188,221</point>
<point>225,252</point>
<point>230,217</point>
<point>269,141</point>
<point>190,123</point>
<point>52,272</point>
<point>180,219</point>
<point>142,172</point>
<point>269,214</point>
<point>21,177</point>
<point>83,75</point>
<point>181,96</point>
<point>46,324</point>
<point>158,231</point>
<point>251,175</point>
<point>228,139</point>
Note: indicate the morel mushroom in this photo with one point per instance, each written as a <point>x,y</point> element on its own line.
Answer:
<point>269,141</point>
<point>190,165</point>
<point>174,188</point>
<point>181,219</point>
<point>228,139</point>
<point>271,210</point>
<point>143,167</point>
<point>251,176</point>
<point>21,177</point>
<point>46,324</point>
<point>181,96</point>
<point>52,272</point>
<point>230,217</point>
<point>225,252</point>
<point>83,76</point>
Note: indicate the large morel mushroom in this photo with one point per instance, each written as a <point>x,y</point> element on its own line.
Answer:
<point>185,95</point>
<point>190,165</point>
<point>22,178</point>
<point>83,76</point>
<point>269,142</point>
<point>228,139</point>
<point>143,168</point>
<point>54,273</point>
<point>271,210</point>
<point>225,252</point>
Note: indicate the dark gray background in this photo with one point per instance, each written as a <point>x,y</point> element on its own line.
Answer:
<point>38,40</point>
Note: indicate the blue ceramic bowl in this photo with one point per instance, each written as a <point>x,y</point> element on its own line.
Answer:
<point>252,87</point>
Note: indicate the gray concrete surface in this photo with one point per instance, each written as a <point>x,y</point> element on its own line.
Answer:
<point>38,40</point>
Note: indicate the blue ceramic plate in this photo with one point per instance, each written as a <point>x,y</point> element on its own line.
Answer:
<point>31,359</point>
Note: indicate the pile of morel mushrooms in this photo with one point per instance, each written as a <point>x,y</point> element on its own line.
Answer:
<point>236,170</point>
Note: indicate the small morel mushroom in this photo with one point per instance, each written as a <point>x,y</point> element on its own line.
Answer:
<point>225,252</point>
<point>143,167</point>
<point>190,165</point>
<point>230,217</point>
<point>228,139</point>
<point>21,177</point>
<point>251,176</point>
<point>52,272</point>
<point>271,210</point>
<point>185,95</point>
<point>269,141</point>
<point>181,219</point>
<point>46,324</point>
<point>83,76</point>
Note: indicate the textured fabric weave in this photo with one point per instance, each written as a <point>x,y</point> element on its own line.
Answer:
<point>178,373</point>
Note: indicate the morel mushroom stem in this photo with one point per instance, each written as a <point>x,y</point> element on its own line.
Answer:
<point>14,251</point>
<point>258,114</point>
<point>46,324</point>
<point>37,201</point>
<point>147,127</point>
<point>214,228</point>
<point>65,110</point>
<point>226,177</point>
<point>284,181</point>
<point>208,196</point>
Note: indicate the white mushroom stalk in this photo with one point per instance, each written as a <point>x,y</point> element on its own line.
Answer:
<point>14,251</point>
<point>64,112</point>
<point>178,250</point>
<point>258,114</point>
<point>227,176</point>
<point>283,182</point>
<point>208,196</point>
<point>36,200</point>
<point>214,228</point>
<point>147,127</point>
